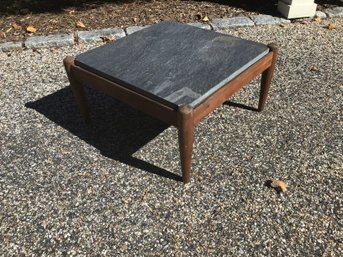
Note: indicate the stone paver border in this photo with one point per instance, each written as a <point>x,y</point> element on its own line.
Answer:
<point>49,41</point>
<point>334,12</point>
<point>94,36</point>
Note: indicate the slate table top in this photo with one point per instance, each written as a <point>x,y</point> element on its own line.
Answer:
<point>174,63</point>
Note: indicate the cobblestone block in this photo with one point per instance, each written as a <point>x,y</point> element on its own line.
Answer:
<point>8,46</point>
<point>225,23</point>
<point>268,20</point>
<point>95,35</point>
<point>200,25</point>
<point>49,41</point>
<point>334,12</point>
<point>134,29</point>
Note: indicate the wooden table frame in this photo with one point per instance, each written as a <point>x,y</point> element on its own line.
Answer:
<point>184,118</point>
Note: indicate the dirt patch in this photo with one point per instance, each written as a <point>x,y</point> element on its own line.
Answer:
<point>61,16</point>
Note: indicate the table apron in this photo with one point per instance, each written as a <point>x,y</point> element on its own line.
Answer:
<point>161,111</point>
<point>224,93</point>
<point>123,94</point>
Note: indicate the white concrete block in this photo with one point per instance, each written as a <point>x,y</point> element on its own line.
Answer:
<point>297,10</point>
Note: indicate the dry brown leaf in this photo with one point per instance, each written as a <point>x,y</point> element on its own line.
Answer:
<point>31,29</point>
<point>332,26</point>
<point>106,39</point>
<point>314,68</point>
<point>80,24</point>
<point>279,185</point>
<point>8,30</point>
<point>135,19</point>
<point>16,26</point>
<point>72,12</point>
<point>205,19</point>
<point>2,34</point>
<point>317,19</point>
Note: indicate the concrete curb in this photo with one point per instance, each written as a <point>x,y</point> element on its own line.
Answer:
<point>57,40</point>
<point>134,29</point>
<point>225,23</point>
<point>8,46</point>
<point>336,12</point>
<point>95,35</point>
<point>268,20</point>
<point>50,41</point>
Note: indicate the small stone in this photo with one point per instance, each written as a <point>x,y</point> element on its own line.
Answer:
<point>320,14</point>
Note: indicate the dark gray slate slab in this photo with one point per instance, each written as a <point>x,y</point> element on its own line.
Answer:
<point>174,63</point>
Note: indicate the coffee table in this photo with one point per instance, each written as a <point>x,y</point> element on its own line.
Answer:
<point>174,72</point>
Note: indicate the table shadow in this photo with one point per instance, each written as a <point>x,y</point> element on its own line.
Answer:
<point>116,130</point>
<point>240,105</point>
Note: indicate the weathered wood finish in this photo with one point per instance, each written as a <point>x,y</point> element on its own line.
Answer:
<point>77,89</point>
<point>132,98</point>
<point>184,118</point>
<point>232,87</point>
<point>267,77</point>
<point>185,128</point>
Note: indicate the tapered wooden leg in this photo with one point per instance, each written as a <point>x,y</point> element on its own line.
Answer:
<point>186,128</point>
<point>77,89</point>
<point>267,77</point>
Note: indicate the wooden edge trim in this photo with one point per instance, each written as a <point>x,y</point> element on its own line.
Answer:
<point>68,61</point>
<point>274,49</point>
<point>223,94</point>
<point>130,97</point>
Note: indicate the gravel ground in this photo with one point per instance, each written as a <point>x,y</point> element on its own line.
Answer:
<point>112,189</point>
